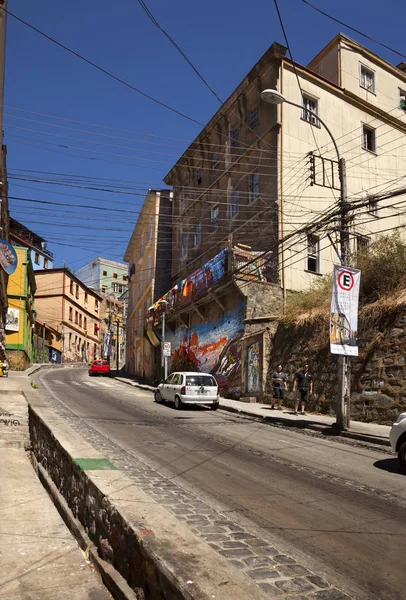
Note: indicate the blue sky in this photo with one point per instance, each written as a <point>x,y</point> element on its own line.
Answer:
<point>223,39</point>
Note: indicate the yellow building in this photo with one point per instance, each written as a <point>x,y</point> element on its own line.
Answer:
<point>20,316</point>
<point>65,303</point>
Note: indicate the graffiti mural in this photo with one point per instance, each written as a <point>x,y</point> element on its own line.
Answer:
<point>213,347</point>
<point>253,367</point>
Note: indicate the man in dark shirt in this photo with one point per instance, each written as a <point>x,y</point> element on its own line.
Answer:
<point>278,387</point>
<point>304,387</point>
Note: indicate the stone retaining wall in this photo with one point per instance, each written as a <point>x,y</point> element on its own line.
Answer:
<point>378,382</point>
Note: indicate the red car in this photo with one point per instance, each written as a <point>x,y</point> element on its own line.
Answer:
<point>99,367</point>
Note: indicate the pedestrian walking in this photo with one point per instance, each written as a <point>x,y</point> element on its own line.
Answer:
<point>304,386</point>
<point>279,386</point>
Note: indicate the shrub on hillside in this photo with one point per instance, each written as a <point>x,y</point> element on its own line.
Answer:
<point>382,267</point>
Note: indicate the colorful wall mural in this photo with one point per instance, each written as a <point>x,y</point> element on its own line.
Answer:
<point>213,347</point>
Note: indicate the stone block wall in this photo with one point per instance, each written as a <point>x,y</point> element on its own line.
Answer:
<point>378,380</point>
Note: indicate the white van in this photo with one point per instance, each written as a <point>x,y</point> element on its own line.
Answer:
<point>189,388</point>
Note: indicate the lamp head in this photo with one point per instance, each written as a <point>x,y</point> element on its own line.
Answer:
<point>272,97</point>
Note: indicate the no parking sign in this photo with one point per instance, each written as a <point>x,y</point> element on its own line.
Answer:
<point>344,311</point>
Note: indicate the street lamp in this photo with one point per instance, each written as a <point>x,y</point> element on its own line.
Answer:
<point>164,361</point>
<point>274,97</point>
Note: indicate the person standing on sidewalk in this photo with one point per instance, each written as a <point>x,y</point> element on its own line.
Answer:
<point>304,386</point>
<point>278,387</point>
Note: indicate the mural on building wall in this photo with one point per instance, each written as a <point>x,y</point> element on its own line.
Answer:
<point>253,359</point>
<point>213,347</point>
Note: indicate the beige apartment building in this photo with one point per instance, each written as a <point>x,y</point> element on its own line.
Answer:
<point>73,309</point>
<point>258,173</point>
<point>149,257</point>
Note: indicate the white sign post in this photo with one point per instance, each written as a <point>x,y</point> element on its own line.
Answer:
<point>166,348</point>
<point>344,311</point>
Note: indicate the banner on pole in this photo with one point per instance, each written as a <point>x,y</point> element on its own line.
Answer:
<point>344,311</point>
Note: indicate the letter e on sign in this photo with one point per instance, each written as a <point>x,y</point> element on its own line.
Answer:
<point>345,281</point>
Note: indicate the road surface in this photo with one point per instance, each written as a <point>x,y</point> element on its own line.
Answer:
<point>337,508</point>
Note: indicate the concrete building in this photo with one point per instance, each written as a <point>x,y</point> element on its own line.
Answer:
<point>259,177</point>
<point>20,315</point>
<point>113,332</point>
<point>149,257</point>
<point>249,173</point>
<point>20,235</point>
<point>72,308</point>
<point>105,275</point>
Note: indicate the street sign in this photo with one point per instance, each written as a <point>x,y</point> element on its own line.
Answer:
<point>344,311</point>
<point>166,348</point>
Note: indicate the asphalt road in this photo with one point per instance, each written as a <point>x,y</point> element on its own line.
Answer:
<point>338,508</point>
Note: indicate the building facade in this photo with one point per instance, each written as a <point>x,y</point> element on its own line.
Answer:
<point>64,302</point>
<point>20,315</point>
<point>113,333</point>
<point>149,257</point>
<point>20,235</point>
<point>105,275</point>
<point>267,175</point>
<point>262,180</point>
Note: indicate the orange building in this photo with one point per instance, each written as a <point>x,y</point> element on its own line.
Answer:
<point>68,305</point>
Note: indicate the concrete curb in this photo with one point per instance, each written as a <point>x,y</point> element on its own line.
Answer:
<point>112,579</point>
<point>326,430</point>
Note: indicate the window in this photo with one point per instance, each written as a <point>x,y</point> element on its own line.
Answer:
<point>215,160</point>
<point>45,263</point>
<point>235,203</point>
<point>115,276</point>
<point>214,217</point>
<point>253,186</point>
<point>76,317</point>
<point>313,251</point>
<point>37,258</point>
<point>96,306</point>
<point>85,323</point>
<point>149,272</point>
<point>125,277</point>
<point>118,288</point>
<point>142,245</point>
<point>235,134</point>
<point>80,320</point>
<point>253,118</point>
<point>310,104</point>
<point>402,99</point>
<point>198,176</point>
<point>140,287</point>
<point>197,236</point>
<point>185,243</point>
<point>77,291</point>
<point>362,244</point>
<point>70,313</point>
<point>70,340</point>
<point>368,138</point>
<point>367,79</point>
<point>104,288</point>
<point>150,229</point>
<point>86,298</point>
<point>373,207</point>
<point>104,273</point>
<point>71,287</point>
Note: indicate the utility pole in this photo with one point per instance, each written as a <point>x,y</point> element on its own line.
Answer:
<point>43,342</point>
<point>274,97</point>
<point>344,363</point>
<point>164,362</point>
<point>118,346</point>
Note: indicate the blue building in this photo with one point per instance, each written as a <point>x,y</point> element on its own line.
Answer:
<point>20,235</point>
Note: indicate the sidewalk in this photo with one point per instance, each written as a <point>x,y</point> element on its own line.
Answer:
<point>39,558</point>
<point>363,432</point>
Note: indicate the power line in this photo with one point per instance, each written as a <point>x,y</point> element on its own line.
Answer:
<point>178,48</point>
<point>101,69</point>
<point>365,35</point>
